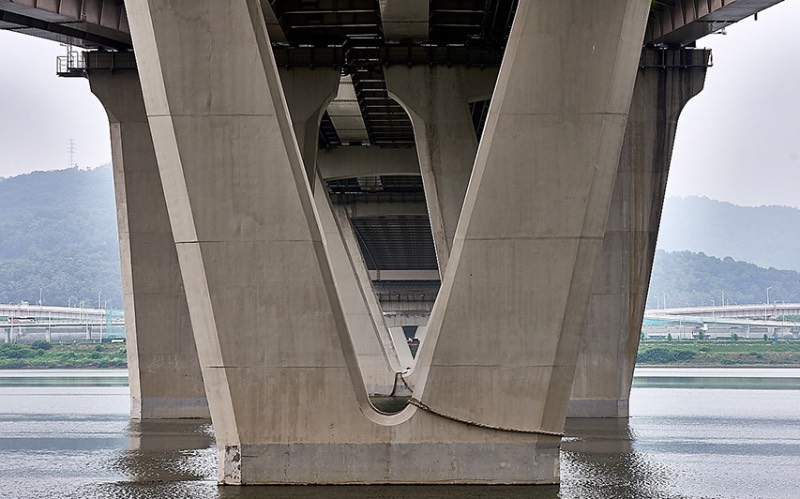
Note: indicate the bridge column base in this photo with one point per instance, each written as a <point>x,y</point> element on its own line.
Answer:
<point>393,463</point>
<point>598,408</point>
<point>169,407</point>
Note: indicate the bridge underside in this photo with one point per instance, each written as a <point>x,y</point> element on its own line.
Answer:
<point>335,175</point>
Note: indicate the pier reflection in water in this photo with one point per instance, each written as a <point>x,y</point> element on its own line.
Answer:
<point>76,442</point>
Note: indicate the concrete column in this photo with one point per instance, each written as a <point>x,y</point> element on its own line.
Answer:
<point>667,80</point>
<point>508,323</point>
<point>270,331</point>
<point>8,335</point>
<point>347,162</point>
<point>405,19</point>
<point>165,377</point>
<point>437,100</point>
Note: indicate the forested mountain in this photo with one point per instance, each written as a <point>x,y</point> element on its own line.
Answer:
<point>694,279</point>
<point>58,234</point>
<point>768,236</point>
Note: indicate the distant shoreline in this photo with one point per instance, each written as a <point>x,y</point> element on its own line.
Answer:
<point>716,353</point>
<point>43,355</point>
<point>681,354</point>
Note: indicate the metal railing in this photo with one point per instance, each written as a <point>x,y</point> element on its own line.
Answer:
<point>79,64</point>
<point>71,65</point>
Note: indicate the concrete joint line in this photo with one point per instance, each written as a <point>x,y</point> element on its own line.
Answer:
<point>223,241</point>
<point>421,405</point>
<point>597,113</point>
<point>534,238</point>
<point>208,115</point>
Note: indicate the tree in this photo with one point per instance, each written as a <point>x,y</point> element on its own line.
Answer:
<point>58,238</point>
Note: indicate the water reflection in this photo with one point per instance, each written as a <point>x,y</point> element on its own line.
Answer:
<point>167,450</point>
<point>392,492</point>
<point>598,460</point>
<point>76,442</point>
<point>177,459</point>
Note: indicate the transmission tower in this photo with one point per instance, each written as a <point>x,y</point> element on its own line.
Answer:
<point>72,149</point>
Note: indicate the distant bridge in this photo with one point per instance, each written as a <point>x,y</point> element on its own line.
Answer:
<point>746,321</point>
<point>767,310</point>
<point>21,320</point>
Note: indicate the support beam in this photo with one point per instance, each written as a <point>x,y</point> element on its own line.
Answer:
<point>164,373</point>
<point>274,29</point>
<point>608,352</point>
<point>362,210</point>
<point>405,20</point>
<point>509,318</point>
<point>349,162</point>
<point>437,100</point>
<point>682,22</point>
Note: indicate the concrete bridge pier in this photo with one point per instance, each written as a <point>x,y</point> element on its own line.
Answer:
<point>165,377</point>
<point>666,81</point>
<point>285,392</point>
<point>270,331</point>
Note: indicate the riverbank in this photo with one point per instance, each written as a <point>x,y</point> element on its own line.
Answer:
<point>696,353</point>
<point>714,353</point>
<point>43,355</point>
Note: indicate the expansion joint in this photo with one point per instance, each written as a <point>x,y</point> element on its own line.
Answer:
<point>423,406</point>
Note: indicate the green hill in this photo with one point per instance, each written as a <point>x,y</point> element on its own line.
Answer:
<point>694,279</point>
<point>58,234</point>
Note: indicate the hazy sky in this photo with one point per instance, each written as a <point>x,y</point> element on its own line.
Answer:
<point>40,112</point>
<point>737,141</point>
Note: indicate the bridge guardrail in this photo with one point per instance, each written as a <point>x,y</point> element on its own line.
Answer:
<point>78,64</point>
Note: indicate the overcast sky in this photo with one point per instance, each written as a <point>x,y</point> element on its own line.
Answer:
<point>40,112</point>
<point>737,141</point>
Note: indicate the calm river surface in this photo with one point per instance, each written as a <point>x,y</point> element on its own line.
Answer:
<point>693,433</point>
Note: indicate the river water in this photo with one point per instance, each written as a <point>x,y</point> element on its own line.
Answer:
<point>693,433</point>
